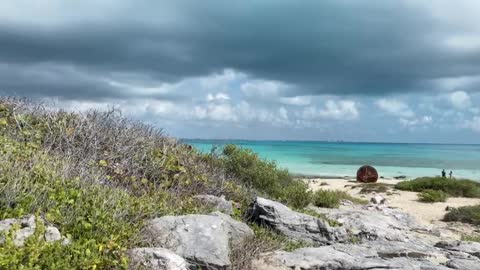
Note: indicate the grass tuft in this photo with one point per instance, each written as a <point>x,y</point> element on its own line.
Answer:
<point>432,196</point>
<point>332,199</point>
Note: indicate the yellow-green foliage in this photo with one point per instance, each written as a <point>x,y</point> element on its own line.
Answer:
<point>97,178</point>
<point>101,221</point>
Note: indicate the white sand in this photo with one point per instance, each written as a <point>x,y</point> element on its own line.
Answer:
<point>426,213</point>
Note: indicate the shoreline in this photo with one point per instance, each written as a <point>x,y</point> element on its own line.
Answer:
<point>348,177</point>
<point>406,201</point>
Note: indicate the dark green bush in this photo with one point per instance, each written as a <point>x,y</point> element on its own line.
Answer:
<point>465,214</point>
<point>264,176</point>
<point>432,196</point>
<point>326,199</point>
<point>455,188</point>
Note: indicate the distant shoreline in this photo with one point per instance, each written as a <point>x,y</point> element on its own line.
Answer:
<point>186,140</point>
<point>346,177</point>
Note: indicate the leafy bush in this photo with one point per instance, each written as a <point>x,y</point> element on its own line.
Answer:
<point>453,187</point>
<point>432,196</point>
<point>264,176</point>
<point>465,214</point>
<point>332,198</point>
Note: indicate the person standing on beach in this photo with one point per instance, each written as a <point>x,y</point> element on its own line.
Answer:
<point>450,174</point>
<point>444,174</point>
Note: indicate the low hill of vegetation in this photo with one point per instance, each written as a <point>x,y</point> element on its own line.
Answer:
<point>452,187</point>
<point>98,177</point>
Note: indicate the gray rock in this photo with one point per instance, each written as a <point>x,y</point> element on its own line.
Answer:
<point>372,255</point>
<point>383,224</point>
<point>203,240</point>
<point>52,234</point>
<point>470,248</point>
<point>156,259</point>
<point>464,264</point>
<point>218,203</point>
<point>377,199</point>
<point>27,227</point>
<point>295,225</point>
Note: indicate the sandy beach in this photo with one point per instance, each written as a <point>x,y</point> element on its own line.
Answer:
<point>425,213</point>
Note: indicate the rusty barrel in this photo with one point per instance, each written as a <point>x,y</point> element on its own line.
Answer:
<point>367,174</point>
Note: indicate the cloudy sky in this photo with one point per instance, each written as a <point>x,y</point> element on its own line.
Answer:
<point>376,70</point>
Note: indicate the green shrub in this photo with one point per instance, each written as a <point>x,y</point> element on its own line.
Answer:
<point>326,199</point>
<point>297,195</point>
<point>453,187</point>
<point>264,176</point>
<point>432,196</point>
<point>374,187</point>
<point>465,214</point>
<point>332,198</point>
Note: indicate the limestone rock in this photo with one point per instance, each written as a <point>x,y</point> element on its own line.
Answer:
<point>375,224</point>
<point>203,240</point>
<point>52,234</point>
<point>218,203</point>
<point>295,225</point>
<point>156,259</point>
<point>27,227</point>
<point>377,199</point>
<point>372,255</point>
<point>470,248</point>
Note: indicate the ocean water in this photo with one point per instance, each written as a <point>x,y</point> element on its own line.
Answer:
<point>343,159</point>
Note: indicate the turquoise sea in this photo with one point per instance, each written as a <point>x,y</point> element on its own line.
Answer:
<point>344,158</point>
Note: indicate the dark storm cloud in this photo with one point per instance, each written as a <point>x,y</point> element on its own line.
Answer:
<point>320,47</point>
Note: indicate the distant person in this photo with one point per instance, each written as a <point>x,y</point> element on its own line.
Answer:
<point>450,174</point>
<point>444,174</point>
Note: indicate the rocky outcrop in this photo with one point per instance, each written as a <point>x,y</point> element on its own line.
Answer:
<point>156,259</point>
<point>203,240</point>
<point>295,225</point>
<point>462,254</point>
<point>217,203</point>
<point>374,223</point>
<point>371,255</point>
<point>26,228</point>
<point>470,248</point>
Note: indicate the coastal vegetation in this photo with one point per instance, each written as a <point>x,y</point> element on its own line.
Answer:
<point>333,198</point>
<point>368,188</point>
<point>432,196</point>
<point>452,187</point>
<point>98,176</point>
<point>465,214</point>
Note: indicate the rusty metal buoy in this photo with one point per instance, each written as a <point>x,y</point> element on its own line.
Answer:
<point>367,174</point>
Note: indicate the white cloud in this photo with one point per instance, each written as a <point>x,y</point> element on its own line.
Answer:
<point>339,110</point>
<point>263,88</point>
<point>473,124</point>
<point>416,121</point>
<point>460,100</point>
<point>395,107</point>
<point>217,97</point>
<point>221,80</point>
<point>296,101</point>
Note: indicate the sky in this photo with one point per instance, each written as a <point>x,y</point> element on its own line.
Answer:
<point>352,70</point>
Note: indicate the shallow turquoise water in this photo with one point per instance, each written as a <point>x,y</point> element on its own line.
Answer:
<point>343,159</point>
